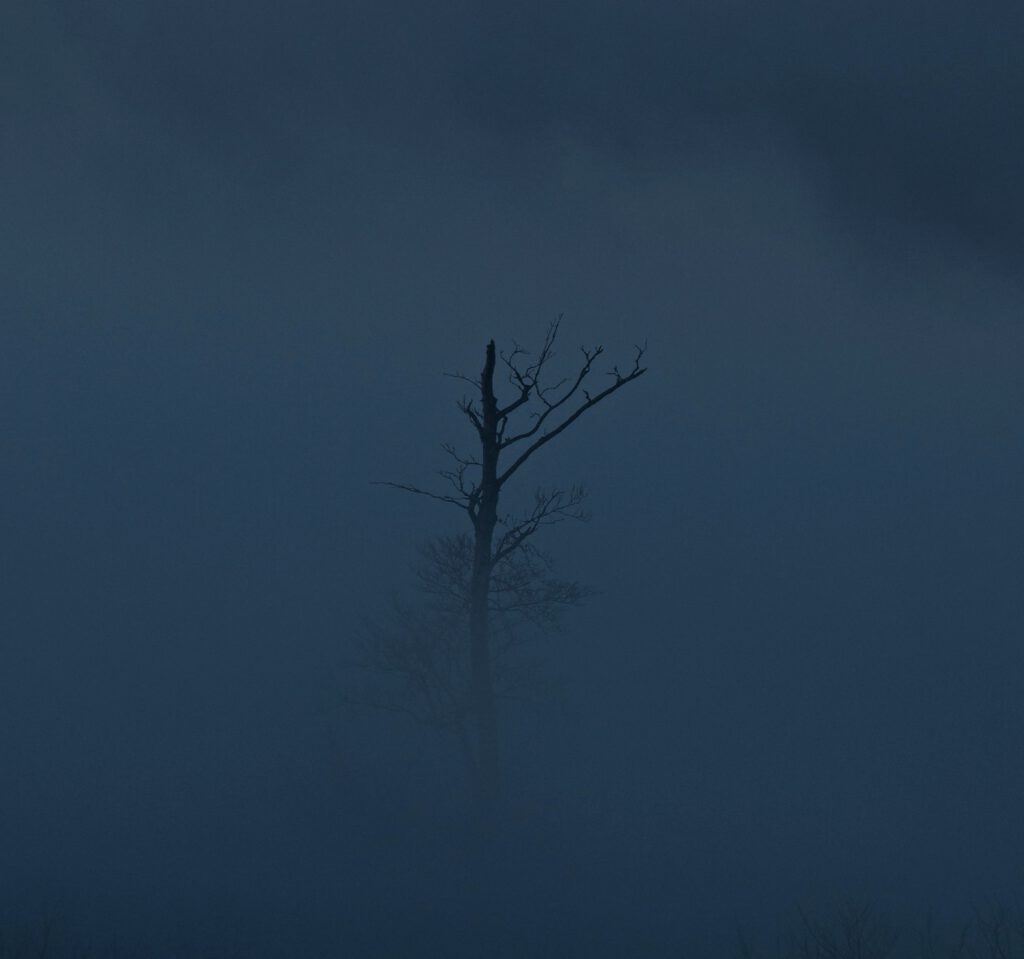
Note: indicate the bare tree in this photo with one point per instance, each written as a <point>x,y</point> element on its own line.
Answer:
<point>507,435</point>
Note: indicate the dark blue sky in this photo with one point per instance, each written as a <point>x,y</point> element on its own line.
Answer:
<point>240,243</point>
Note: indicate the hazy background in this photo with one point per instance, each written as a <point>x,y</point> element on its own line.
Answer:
<point>239,245</point>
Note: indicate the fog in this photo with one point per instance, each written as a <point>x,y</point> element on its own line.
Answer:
<point>241,246</point>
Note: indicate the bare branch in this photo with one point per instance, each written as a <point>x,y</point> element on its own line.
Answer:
<point>466,406</point>
<point>528,378</point>
<point>590,401</point>
<point>588,361</point>
<point>458,457</point>
<point>549,507</point>
<point>465,379</point>
<point>455,501</point>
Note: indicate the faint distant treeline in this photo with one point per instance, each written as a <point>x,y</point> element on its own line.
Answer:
<point>853,930</point>
<point>861,930</point>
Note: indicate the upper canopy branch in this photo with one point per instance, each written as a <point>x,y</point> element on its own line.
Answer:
<point>527,378</point>
<point>589,401</point>
<point>476,481</point>
<point>549,407</point>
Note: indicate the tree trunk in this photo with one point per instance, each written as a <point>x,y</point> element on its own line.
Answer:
<point>485,708</point>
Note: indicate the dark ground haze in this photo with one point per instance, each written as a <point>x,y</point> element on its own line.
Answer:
<point>239,244</point>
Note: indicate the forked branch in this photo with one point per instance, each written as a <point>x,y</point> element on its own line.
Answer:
<point>589,402</point>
